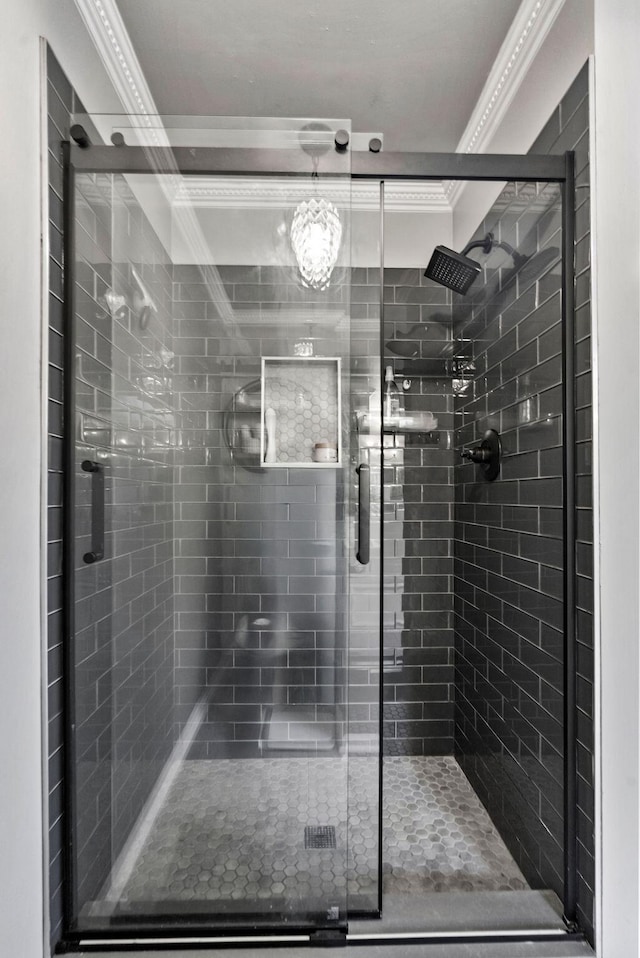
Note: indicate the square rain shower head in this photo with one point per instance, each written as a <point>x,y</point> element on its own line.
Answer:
<point>452,269</point>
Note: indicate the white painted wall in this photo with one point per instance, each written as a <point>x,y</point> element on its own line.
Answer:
<point>616,233</point>
<point>410,238</point>
<point>21,875</point>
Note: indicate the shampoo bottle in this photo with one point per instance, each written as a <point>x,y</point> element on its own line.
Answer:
<point>391,395</point>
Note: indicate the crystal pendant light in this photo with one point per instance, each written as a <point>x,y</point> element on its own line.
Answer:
<point>316,232</point>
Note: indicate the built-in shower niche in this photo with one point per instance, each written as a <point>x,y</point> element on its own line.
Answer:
<point>301,412</point>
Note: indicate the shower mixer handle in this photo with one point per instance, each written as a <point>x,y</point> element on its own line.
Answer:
<point>486,455</point>
<point>477,454</point>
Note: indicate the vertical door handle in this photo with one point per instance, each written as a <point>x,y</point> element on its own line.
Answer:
<point>364,513</point>
<point>97,510</point>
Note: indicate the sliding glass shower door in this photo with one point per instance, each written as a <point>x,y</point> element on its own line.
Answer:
<point>218,509</point>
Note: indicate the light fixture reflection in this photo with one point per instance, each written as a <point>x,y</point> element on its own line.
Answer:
<point>316,232</point>
<point>112,303</point>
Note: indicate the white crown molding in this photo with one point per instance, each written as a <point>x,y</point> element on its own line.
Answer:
<point>530,28</point>
<point>236,192</point>
<point>111,39</point>
<point>526,35</point>
<point>109,34</point>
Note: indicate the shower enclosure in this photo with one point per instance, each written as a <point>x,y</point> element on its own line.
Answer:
<point>268,574</point>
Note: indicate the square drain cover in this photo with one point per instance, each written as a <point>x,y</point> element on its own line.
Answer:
<point>320,836</point>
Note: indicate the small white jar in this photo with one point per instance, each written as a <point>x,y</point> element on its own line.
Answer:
<point>325,452</point>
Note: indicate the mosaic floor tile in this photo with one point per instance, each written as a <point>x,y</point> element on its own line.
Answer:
<point>233,830</point>
<point>438,835</point>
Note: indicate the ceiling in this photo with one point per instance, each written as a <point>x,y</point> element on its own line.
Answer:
<point>409,69</point>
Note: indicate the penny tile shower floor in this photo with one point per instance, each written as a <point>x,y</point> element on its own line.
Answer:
<point>233,830</point>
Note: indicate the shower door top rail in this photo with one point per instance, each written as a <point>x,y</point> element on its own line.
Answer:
<point>278,162</point>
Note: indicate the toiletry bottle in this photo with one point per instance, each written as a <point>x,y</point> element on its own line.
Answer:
<point>391,395</point>
<point>271,454</point>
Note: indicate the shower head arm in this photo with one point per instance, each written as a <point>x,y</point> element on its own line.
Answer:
<point>489,242</point>
<point>518,258</point>
<point>486,245</point>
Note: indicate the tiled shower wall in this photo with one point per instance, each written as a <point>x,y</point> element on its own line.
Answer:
<point>124,604</point>
<point>260,552</point>
<point>508,535</point>
<point>61,102</point>
<point>256,545</point>
<point>418,522</point>
<point>508,547</point>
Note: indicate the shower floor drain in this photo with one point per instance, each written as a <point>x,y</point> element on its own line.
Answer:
<point>320,836</point>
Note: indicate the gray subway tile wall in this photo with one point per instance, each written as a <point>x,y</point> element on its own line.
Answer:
<point>123,669</point>
<point>265,525</point>
<point>124,604</point>
<point>261,553</point>
<point>61,102</point>
<point>508,535</point>
<point>418,706</point>
<point>501,602</point>
<point>574,134</point>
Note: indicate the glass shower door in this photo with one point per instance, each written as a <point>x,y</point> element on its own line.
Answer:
<point>216,507</point>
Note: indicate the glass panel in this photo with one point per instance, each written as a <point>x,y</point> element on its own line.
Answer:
<point>230,401</point>
<point>365,619</point>
<point>509,629</point>
<point>473,665</point>
<point>211,638</point>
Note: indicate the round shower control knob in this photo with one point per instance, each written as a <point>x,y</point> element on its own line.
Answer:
<point>486,455</point>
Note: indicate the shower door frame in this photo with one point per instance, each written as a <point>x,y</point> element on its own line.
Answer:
<point>380,167</point>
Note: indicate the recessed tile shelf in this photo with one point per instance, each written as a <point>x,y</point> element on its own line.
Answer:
<point>301,407</point>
